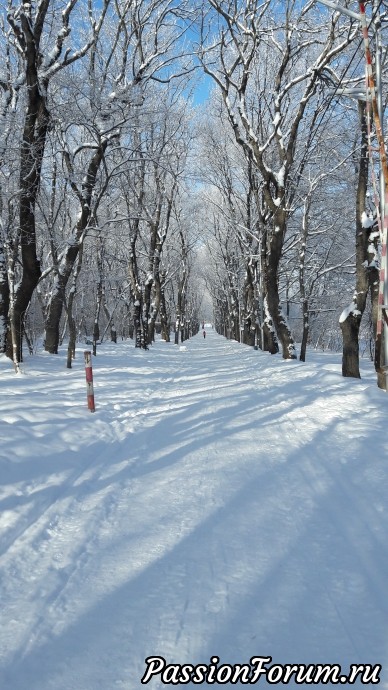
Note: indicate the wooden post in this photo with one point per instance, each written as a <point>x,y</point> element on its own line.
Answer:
<point>89,380</point>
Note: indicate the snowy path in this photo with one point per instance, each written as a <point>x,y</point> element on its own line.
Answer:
<point>219,502</point>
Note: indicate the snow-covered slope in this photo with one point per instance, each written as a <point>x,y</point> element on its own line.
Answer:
<point>219,503</point>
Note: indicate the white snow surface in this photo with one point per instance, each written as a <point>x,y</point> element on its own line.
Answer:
<point>350,309</point>
<point>219,501</point>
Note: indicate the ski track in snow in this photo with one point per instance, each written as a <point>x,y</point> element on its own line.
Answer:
<point>219,502</point>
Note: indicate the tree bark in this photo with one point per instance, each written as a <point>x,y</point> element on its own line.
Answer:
<point>69,311</point>
<point>272,286</point>
<point>55,307</point>
<point>4,300</point>
<point>164,322</point>
<point>305,331</point>
<point>367,276</point>
<point>35,129</point>
<point>181,297</point>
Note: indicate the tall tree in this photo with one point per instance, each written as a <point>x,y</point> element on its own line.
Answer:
<point>138,46</point>
<point>33,28</point>
<point>268,62</point>
<point>367,273</point>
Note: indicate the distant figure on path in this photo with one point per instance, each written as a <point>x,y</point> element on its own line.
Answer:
<point>204,334</point>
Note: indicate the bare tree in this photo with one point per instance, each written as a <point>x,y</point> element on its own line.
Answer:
<point>367,273</point>
<point>268,66</point>
<point>32,28</point>
<point>138,46</point>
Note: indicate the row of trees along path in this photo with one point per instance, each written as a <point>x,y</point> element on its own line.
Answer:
<point>161,160</point>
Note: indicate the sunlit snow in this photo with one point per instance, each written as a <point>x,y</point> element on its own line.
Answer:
<point>219,502</point>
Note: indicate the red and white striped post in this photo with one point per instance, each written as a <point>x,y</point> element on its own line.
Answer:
<point>89,380</point>
<point>381,348</point>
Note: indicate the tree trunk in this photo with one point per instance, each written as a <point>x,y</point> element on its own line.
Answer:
<point>350,350</point>
<point>272,286</point>
<point>72,332</point>
<point>181,297</point>
<point>31,156</point>
<point>268,339</point>
<point>55,307</point>
<point>137,322</point>
<point>147,310</point>
<point>367,276</point>
<point>164,324</point>
<point>306,329</point>
<point>180,312</point>
<point>69,311</point>
<point>302,282</point>
<point>250,307</point>
<point>54,314</point>
<point>155,307</point>
<point>110,321</point>
<point>4,300</point>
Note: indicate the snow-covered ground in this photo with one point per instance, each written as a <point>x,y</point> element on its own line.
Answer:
<point>219,502</point>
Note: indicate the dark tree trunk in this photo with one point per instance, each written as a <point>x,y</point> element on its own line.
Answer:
<point>180,314</point>
<point>4,300</point>
<point>272,286</point>
<point>181,297</point>
<point>72,332</point>
<point>54,314</point>
<point>306,329</point>
<point>164,323</point>
<point>250,307</point>
<point>65,269</point>
<point>268,339</point>
<point>234,315</point>
<point>137,322</point>
<point>350,350</point>
<point>31,155</point>
<point>72,336</point>
<point>69,311</point>
<point>367,277</point>
<point>147,311</point>
<point>302,282</point>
